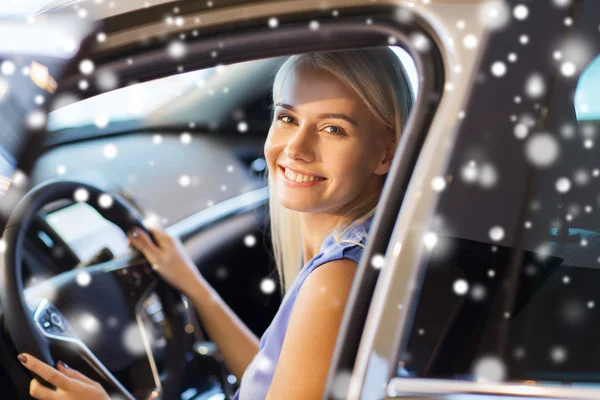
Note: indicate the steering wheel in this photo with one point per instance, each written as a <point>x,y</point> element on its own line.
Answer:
<point>47,314</point>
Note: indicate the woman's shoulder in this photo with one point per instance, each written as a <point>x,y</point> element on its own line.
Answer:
<point>349,246</point>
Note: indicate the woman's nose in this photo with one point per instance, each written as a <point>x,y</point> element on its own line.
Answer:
<point>301,145</point>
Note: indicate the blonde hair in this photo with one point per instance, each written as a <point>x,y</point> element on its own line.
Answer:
<point>379,78</point>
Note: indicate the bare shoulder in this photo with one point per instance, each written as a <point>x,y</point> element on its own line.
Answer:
<point>334,277</point>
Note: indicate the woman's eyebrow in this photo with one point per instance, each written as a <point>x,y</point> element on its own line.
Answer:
<point>322,116</point>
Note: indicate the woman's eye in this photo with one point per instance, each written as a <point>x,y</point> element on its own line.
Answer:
<point>336,130</point>
<point>287,119</point>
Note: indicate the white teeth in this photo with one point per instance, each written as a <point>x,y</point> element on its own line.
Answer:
<point>292,176</point>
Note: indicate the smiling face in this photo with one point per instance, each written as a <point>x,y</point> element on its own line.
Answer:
<point>324,135</point>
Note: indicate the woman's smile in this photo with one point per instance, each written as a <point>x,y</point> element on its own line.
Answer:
<point>293,179</point>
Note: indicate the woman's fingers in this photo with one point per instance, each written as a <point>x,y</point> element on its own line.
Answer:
<point>74,374</point>
<point>39,391</point>
<point>162,237</point>
<point>143,243</point>
<point>43,370</point>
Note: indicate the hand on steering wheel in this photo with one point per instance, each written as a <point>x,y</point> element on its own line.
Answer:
<point>167,257</point>
<point>69,384</point>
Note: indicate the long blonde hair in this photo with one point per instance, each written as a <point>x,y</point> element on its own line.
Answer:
<point>379,78</point>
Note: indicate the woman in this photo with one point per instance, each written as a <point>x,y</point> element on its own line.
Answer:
<point>337,119</point>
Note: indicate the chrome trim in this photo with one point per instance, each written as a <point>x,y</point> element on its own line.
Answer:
<point>146,340</point>
<point>87,355</point>
<point>244,202</point>
<point>400,388</point>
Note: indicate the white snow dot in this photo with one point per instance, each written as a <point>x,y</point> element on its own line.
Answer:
<point>470,41</point>
<point>487,176</point>
<point>179,21</point>
<point>110,151</point>
<point>460,287</point>
<point>89,323</point>
<point>132,340</point>
<point>542,150</point>
<point>176,49</point>
<point>157,139</point>
<point>568,21</point>
<point>185,180</point>
<point>498,69</point>
<point>250,240</point>
<point>101,37</point>
<point>512,57</point>
<point>566,280</point>
<point>557,55</point>
<point>186,138</point>
<point>521,131</point>
<point>438,184</point>
<point>81,195</point>
<point>392,40</point>
<point>490,368</point>
<point>377,261</point>
<point>478,292</point>
<point>496,233</point>
<point>61,170</point>
<point>39,99</point>
<point>420,41</point>
<point>528,225</point>
<point>314,25</point>
<point>568,69</point>
<point>267,285</point>
<point>591,304</point>
<point>7,68</point>
<point>335,13</point>
<point>242,127</point>
<point>223,188</point>
<point>273,22</point>
<point>469,172</point>
<point>588,143</point>
<point>105,200</point>
<point>517,99</point>
<point>86,66</point>
<point>588,209</point>
<point>36,119</point>
<point>523,39</point>
<point>563,185</point>
<point>535,86</point>
<point>521,12</point>
<point>82,13</point>
<point>83,278</point>
<point>460,24</point>
<point>430,240</point>
<point>83,85</point>
<point>558,354</point>
<point>491,273</point>
<point>101,121</point>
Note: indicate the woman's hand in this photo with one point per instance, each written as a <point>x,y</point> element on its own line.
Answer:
<point>169,258</point>
<point>69,384</point>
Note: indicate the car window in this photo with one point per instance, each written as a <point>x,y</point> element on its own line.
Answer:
<point>511,274</point>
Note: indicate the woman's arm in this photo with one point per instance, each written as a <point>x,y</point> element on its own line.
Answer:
<point>303,365</point>
<point>236,343</point>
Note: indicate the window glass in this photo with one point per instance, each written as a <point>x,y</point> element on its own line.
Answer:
<point>510,289</point>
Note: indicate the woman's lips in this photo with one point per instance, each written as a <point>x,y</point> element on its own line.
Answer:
<point>298,184</point>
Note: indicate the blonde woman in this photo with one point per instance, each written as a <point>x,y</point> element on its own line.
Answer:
<point>337,120</point>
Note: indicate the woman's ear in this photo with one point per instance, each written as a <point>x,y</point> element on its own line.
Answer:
<point>388,152</point>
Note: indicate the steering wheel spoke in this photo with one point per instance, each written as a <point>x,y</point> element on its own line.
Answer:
<point>53,325</point>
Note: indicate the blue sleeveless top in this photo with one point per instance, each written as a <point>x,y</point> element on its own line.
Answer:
<point>257,377</point>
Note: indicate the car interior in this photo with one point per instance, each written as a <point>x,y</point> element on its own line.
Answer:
<point>182,150</point>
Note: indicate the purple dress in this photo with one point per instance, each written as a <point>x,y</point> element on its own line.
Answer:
<point>257,377</point>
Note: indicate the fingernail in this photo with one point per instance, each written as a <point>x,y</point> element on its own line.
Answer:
<point>22,358</point>
<point>64,365</point>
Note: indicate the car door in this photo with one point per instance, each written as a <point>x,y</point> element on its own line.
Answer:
<point>488,285</point>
